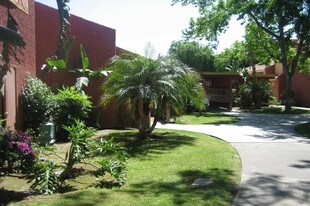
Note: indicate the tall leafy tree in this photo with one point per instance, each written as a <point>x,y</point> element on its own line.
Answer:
<point>233,59</point>
<point>193,54</point>
<point>287,21</point>
<point>145,85</point>
<point>263,47</point>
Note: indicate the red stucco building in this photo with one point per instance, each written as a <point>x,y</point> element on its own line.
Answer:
<point>10,104</point>
<point>277,79</point>
<point>39,26</point>
<point>99,44</point>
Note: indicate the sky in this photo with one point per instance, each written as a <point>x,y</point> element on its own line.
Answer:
<point>138,22</point>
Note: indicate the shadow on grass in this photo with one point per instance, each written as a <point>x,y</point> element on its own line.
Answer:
<point>222,190</point>
<point>10,196</point>
<point>81,198</point>
<point>303,129</point>
<point>157,143</point>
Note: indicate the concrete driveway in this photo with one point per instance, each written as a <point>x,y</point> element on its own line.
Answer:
<point>275,160</point>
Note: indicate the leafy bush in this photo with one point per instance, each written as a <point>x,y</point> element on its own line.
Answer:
<point>115,167</point>
<point>110,158</point>
<point>244,96</point>
<point>82,146</point>
<point>253,94</point>
<point>16,152</point>
<point>80,138</point>
<point>45,180</point>
<point>37,102</point>
<point>71,105</point>
<point>261,93</point>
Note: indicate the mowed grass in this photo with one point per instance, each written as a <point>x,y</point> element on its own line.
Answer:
<point>303,129</point>
<point>277,110</point>
<point>205,118</point>
<point>160,172</point>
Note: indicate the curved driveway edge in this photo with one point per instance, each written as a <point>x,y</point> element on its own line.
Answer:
<point>275,160</point>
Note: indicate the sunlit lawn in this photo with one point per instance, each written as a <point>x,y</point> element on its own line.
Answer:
<point>303,129</point>
<point>160,172</point>
<point>277,110</point>
<point>205,118</point>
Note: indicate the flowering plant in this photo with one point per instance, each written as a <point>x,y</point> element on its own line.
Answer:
<point>16,152</point>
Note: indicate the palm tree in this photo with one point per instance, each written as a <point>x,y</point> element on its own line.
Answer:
<point>145,85</point>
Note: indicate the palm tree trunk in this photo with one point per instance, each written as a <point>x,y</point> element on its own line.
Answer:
<point>151,129</point>
<point>144,120</point>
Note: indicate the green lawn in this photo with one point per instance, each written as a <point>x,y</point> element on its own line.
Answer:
<point>160,172</point>
<point>303,129</point>
<point>205,118</point>
<point>277,110</point>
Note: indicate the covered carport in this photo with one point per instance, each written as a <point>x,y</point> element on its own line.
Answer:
<point>219,86</point>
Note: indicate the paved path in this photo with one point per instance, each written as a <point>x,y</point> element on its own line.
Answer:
<point>275,160</point>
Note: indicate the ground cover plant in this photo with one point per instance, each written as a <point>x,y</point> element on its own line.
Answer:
<point>303,129</point>
<point>23,158</point>
<point>205,118</point>
<point>160,171</point>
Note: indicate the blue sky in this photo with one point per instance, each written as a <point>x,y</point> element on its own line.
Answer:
<point>140,21</point>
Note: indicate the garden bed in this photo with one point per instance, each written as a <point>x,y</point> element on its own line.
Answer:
<point>160,171</point>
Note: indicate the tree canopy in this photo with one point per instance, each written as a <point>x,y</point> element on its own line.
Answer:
<point>286,21</point>
<point>233,59</point>
<point>193,54</point>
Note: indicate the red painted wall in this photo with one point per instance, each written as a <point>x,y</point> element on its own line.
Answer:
<point>271,69</point>
<point>26,24</point>
<point>98,42</point>
<point>301,88</point>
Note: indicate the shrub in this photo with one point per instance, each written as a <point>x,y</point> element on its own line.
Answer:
<point>261,94</point>
<point>249,94</point>
<point>37,102</point>
<point>16,152</point>
<point>109,167</point>
<point>245,96</point>
<point>44,179</point>
<point>80,138</point>
<point>71,105</point>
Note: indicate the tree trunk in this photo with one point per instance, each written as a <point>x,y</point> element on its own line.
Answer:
<point>288,92</point>
<point>150,130</point>
<point>144,120</point>
<point>288,75</point>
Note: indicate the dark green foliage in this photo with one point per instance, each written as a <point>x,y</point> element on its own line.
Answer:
<point>193,55</point>
<point>253,95</point>
<point>71,105</point>
<point>233,59</point>
<point>38,103</point>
